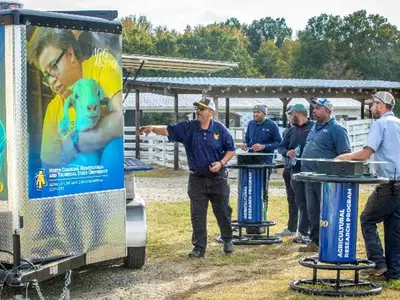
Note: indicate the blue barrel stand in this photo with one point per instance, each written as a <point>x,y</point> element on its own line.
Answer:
<point>338,239</point>
<point>253,205</point>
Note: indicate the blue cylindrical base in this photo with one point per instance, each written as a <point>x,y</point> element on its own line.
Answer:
<point>338,231</point>
<point>251,193</point>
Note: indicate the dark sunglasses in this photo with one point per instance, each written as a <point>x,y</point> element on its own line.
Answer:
<point>200,108</point>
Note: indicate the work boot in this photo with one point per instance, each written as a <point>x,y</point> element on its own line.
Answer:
<point>228,247</point>
<point>312,247</point>
<point>196,253</point>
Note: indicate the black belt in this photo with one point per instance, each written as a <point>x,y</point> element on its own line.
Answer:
<point>209,174</point>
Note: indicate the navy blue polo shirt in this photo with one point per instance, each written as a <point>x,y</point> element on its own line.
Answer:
<point>203,146</point>
<point>324,141</point>
<point>265,133</point>
<point>293,137</point>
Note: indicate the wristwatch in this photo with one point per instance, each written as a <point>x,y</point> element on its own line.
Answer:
<point>75,140</point>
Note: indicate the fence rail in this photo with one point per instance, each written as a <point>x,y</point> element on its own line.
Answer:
<point>155,149</point>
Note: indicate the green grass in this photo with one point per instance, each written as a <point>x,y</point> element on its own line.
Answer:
<point>277,182</point>
<point>251,272</point>
<point>393,284</point>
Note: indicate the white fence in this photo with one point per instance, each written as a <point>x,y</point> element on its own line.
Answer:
<point>358,131</point>
<point>157,150</point>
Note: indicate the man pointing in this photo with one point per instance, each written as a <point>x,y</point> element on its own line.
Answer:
<point>209,146</point>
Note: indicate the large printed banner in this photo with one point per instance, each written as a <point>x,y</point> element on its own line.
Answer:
<point>75,118</point>
<point>3,148</point>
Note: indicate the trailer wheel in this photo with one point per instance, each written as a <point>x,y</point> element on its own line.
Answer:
<point>135,258</point>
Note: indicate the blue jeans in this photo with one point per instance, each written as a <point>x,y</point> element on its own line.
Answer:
<point>313,199</point>
<point>383,205</point>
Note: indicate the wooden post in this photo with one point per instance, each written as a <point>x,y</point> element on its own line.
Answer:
<point>176,145</point>
<point>285,102</point>
<point>311,107</point>
<point>216,108</point>
<point>284,107</point>
<point>227,113</point>
<point>137,124</point>
<point>362,109</point>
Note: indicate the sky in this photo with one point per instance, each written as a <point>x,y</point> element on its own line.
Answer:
<point>176,14</point>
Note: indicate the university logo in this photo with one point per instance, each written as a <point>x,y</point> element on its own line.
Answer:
<point>40,179</point>
<point>216,136</point>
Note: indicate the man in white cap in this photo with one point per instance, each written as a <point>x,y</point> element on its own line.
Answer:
<point>383,204</point>
<point>327,139</point>
<point>290,196</point>
<point>296,137</point>
<point>209,146</point>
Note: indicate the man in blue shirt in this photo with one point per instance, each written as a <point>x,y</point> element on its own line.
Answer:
<point>262,134</point>
<point>295,137</point>
<point>383,205</point>
<point>327,139</point>
<point>209,146</point>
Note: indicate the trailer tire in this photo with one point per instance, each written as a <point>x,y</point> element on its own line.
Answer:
<point>135,258</point>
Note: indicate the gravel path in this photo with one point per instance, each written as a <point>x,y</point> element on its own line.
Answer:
<point>174,189</point>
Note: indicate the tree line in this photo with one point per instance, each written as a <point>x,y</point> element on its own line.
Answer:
<point>357,46</point>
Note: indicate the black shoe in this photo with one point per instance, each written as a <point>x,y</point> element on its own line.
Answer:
<point>228,247</point>
<point>196,253</point>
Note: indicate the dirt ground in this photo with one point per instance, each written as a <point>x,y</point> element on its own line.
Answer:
<point>158,279</point>
<point>178,277</point>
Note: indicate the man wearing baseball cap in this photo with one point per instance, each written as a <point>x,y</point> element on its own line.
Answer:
<point>383,204</point>
<point>326,139</point>
<point>209,146</point>
<point>205,103</point>
<point>296,137</point>
<point>262,134</point>
<point>292,207</point>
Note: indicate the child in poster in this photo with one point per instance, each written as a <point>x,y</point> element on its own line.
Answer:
<point>82,134</point>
